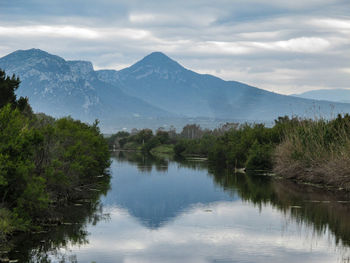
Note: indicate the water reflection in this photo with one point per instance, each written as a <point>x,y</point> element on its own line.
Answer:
<point>46,244</point>
<point>165,211</point>
<point>320,209</point>
<point>144,163</point>
<point>160,190</point>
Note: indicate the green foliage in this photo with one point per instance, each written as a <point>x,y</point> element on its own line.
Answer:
<point>249,146</point>
<point>143,136</point>
<point>8,86</point>
<point>180,147</point>
<point>78,152</point>
<point>118,140</point>
<point>259,157</point>
<point>150,144</point>
<point>21,186</point>
<point>6,223</point>
<point>163,137</point>
<point>43,161</point>
<point>229,146</point>
<point>163,151</point>
<point>143,140</point>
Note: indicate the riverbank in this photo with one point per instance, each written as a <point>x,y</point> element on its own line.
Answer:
<point>316,152</point>
<point>311,151</point>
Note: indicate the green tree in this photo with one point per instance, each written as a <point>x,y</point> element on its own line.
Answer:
<point>8,86</point>
<point>21,188</point>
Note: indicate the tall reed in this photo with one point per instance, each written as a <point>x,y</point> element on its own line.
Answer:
<point>316,151</point>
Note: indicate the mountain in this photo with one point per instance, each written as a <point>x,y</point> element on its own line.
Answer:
<point>59,87</point>
<point>336,95</point>
<point>155,91</point>
<point>163,82</point>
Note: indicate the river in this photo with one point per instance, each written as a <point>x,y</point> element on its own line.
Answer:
<point>166,211</point>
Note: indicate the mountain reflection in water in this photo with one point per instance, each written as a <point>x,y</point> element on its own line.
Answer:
<point>167,211</point>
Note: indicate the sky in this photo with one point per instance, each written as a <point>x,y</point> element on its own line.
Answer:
<point>282,46</point>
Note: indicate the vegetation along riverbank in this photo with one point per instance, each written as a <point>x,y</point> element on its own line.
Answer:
<point>45,163</point>
<point>313,151</point>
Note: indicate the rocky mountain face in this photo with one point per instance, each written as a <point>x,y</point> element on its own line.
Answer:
<point>154,89</point>
<point>59,87</point>
<point>164,83</point>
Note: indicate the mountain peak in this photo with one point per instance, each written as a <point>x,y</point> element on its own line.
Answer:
<point>30,57</point>
<point>159,59</point>
<point>158,54</point>
<point>33,52</point>
<point>155,63</point>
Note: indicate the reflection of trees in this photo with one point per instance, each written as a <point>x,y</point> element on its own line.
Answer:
<point>67,227</point>
<point>318,208</point>
<point>145,163</point>
<point>193,164</point>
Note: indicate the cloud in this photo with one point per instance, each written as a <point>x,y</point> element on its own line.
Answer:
<point>49,31</point>
<point>302,44</point>
<point>260,35</point>
<point>331,23</point>
<point>248,41</point>
<point>142,18</point>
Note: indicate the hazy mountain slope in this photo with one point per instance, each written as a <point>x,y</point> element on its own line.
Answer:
<point>153,92</point>
<point>336,95</point>
<point>59,87</point>
<point>163,82</point>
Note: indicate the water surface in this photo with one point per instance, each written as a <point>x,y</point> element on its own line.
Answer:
<point>162,211</point>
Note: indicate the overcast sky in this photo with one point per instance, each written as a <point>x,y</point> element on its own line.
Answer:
<point>279,45</point>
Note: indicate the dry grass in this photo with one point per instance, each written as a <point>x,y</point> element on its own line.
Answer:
<point>317,152</point>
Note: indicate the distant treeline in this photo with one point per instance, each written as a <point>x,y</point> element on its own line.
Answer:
<point>316,151</point>
<point>44,162</point>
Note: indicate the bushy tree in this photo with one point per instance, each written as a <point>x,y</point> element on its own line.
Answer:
<point>43,161</point>
<point>8,87</point>
<point>21,188</point>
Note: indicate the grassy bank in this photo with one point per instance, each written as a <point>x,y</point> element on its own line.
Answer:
<point>317,152</point>
<point>163,151</point>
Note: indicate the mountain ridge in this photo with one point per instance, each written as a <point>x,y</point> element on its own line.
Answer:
<point>154,87</point>
<point>335,95</point>
<point>59,87</point>
<point>208,95</point>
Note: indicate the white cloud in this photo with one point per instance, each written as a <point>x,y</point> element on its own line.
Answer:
<point>302,44</point>
<point>331,23</point>
<point>69,31</point>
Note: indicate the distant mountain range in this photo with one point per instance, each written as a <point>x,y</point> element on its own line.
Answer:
<point>59,87</point>
<point>154,90</point>
<point>335,95</point>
